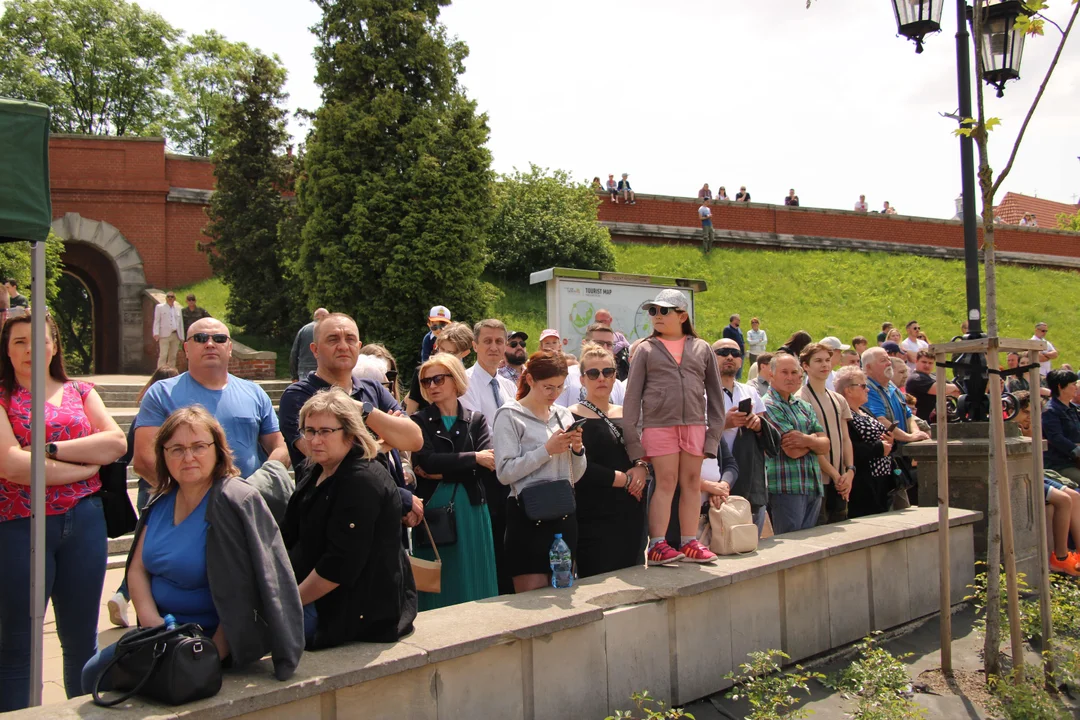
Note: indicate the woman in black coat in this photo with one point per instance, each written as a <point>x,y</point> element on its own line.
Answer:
<point>874,478</point>
<point>451,470</point>
<point>342,529</point>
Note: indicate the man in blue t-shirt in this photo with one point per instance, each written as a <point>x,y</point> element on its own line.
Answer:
<point>242,407</point>
<point>883,399</point>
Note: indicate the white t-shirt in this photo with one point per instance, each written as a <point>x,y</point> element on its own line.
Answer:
<point>1044,367</point>
<point>913,346</point>
<point>860,207</point>
<point>704,212</point>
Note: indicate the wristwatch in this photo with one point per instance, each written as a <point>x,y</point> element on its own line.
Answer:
<point>850,467</point>
<point>368,408</point>
<point>50,450</point>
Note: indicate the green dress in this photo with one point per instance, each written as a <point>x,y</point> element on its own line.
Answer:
<point>468,566</point>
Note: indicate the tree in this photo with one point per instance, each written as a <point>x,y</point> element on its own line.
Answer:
<point>396,189</point>
<point>209,67</point>
<point>247,205</point>
<point>545,220</point>
<point>15,263</point>
<point>1069,222</point>
<point>101,65</point>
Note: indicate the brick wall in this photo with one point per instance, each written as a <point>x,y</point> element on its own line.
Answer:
<point>241,367</point>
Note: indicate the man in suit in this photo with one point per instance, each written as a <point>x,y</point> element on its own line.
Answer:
<point>168,330</point>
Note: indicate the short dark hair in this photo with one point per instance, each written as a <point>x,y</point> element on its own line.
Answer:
<point>1057,379</point>
<point>885,326</point>
<point>1023,400</point>
<point>764,359</point>
<point>11,281</point>
<point>911,322</point>
<point>191,296</point>
<point>924,354</point>
<point>859,339</point>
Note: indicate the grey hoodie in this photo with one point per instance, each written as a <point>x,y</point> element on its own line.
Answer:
<point>521,460</point>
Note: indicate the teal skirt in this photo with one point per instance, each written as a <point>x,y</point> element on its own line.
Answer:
<point>468,566</point>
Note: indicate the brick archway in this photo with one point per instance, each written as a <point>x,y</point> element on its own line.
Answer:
<point>100,255</point>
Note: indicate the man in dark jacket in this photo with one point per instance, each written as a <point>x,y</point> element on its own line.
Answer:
<point>1061,425</point>
<point>733,332</point>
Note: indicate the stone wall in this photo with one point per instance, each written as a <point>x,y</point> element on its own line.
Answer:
<point>580,653</point>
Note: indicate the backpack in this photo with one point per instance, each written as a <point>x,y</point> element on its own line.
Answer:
<point>733,528</point>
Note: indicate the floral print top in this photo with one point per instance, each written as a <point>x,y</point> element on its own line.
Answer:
<point>66,422</point>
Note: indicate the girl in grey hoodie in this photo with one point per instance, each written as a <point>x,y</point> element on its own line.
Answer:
<point>533,447</point>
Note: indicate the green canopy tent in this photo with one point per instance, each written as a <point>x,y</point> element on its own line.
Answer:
<point>26,215</point>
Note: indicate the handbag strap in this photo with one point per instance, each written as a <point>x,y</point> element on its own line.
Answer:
<point>159,653</point>
<point>615,429</point>
<point>431,539</point>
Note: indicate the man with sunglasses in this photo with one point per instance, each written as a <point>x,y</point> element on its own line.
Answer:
<point>241,406</point>
<point>912,344</point>
<point>438,318</point>
<point>336,346</point>
<point>168,330</point>
<point>515,356</point>
<point>573,393</point>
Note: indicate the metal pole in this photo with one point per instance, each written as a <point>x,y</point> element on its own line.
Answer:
<point>1040,517</point>
<point>967,173</point>
<point>945,566</point>
<point>37,469</point>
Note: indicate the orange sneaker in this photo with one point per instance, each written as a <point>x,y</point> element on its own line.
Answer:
<point>1068,566</point>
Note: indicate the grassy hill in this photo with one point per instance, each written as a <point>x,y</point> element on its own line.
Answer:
<point>825,293</point>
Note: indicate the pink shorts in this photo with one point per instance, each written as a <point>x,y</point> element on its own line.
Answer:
<point>670,440</point>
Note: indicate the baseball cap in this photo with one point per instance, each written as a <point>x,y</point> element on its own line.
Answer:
<point>439,312</point>
<point>833,343</point>
<point>549,332</point>
<point>670,298</point>
<point>517,333</point>
<point>891,348</point>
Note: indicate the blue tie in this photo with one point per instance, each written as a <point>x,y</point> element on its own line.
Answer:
<point>495,389</point>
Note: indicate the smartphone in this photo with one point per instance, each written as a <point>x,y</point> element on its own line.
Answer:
<point>891,427</point>
<point>746,406</point>
<point>576,425</point>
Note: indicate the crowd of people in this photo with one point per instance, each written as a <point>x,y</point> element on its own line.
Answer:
<point>618,449</point>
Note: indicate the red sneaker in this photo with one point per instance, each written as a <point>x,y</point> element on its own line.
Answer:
<point>663,554</point>
<point>695,552</point>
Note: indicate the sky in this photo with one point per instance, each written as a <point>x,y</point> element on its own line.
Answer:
<point>768,94</point>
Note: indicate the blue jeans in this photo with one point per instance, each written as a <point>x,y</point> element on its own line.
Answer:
<point>140,502</point>
<point>93,668</point>
<point>311,622</point>
<point>794,512</point>
<point>75,553</point>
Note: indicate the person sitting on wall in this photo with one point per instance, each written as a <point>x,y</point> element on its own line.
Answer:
<point>1061,425</point>
<point>627,192</point>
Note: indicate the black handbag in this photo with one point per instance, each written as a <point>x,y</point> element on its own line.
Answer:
<point>174,666</point>
<point>120,517</point>
<point>552,500</point>
<point>442,525</point>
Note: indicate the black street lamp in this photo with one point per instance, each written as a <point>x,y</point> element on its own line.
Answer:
<point>915,19</point>
<point>1002,45</point>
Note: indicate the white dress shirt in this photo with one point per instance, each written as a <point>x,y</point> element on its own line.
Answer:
<point>572,393</point>
<point>1045,366</point>
<point>739,393</point>
<point>480,397</point>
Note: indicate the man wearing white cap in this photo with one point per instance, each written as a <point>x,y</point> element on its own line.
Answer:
<point>438,318</point>
<point>838,348</point>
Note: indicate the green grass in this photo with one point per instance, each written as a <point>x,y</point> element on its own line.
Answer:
<point>825,293</point>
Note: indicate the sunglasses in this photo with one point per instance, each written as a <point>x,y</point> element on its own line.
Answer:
<point>391,376</point>
<point>728,352</point>
<point>655,310</point>
<point>218,338</point>
<point>434,380</point>
<point>516,344</point>
<point>437,325</point>
<point>595,373</point>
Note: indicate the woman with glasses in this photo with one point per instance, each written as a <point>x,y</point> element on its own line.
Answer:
<point>610,495</point>
<point>343,531</point>
<point>674,395</point>
<point>537,454</point>
<point>456,459</point>
<point>872,445</point>
<point>207,551</point>
<point>80,437</point>
<point>455,339</point>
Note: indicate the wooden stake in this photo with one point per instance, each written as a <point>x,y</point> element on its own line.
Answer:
<point>997,442</point>
<point>944,567</point>
<point>1040,517</point>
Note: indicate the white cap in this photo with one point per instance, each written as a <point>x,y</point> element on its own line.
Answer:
<point>670,298</point>
<point>439,312</point>
<point>833,343</point>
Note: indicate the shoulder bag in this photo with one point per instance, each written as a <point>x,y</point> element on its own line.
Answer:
<point>553,500</point>
<point>440,523</point>
<point>427,574</point>
<point>171,666</point>
<point>120,517</point>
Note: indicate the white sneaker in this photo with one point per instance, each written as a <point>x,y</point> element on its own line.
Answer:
<point>118,611</point>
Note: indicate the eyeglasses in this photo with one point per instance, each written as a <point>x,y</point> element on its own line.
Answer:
<point>595,373</point>
<point>434,380</point>
<point>653,310</point>
<point>516,344</point>
<point>728,352</point>
<point>218,338</point>
<point>323,433</point>
<point>864,386</point>
<point>197,450</point>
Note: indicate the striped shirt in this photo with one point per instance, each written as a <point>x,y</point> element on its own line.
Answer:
<point>788,475</point>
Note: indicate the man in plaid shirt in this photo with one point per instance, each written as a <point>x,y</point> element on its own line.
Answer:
<point>794,475</point>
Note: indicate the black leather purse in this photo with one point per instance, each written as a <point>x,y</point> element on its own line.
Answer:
<point>120,517</point>
<point>442,525</point>
<point>174,666</point>
<point>552,500</point>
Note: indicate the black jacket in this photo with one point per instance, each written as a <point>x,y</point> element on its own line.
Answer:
<point>750,449</point>
<point>348,529</point>
<point>1061,428</point>
<point>452,453</point>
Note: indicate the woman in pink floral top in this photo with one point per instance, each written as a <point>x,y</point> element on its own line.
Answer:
<point>81,436</point>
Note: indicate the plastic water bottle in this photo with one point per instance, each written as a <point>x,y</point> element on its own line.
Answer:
<point>562,565</point>
<point>170,622</point>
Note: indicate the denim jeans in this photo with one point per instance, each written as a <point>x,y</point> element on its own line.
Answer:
<point>794,512</point>
<point>311,622</point>
<point>93,668</point>
<point>75,553</point>
<point>140,503</point>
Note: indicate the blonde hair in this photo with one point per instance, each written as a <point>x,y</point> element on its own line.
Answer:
<point>592,351</point>
<point>460,334</point>
<point>197,418</point>
<point>452,366</point>
<point>347,411</point>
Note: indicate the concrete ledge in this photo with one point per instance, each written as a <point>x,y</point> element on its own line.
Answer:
<point>192,196</point>
<point>579,653</point>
